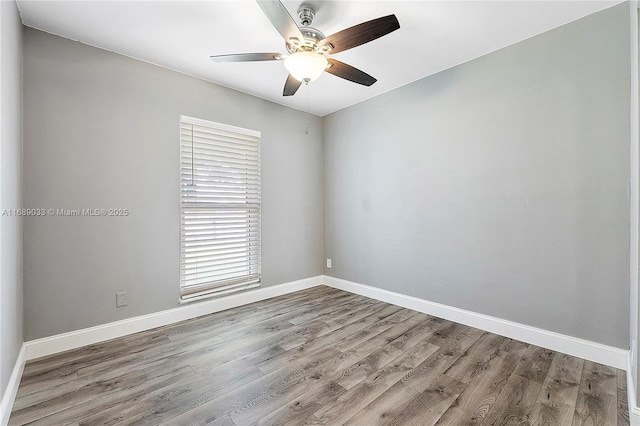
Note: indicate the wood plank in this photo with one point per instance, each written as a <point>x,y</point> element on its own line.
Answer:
<point>355,373</point>
<point>375,329</point>
<point>82,395</point>
<point>362,395</point>
<point>474,403</point>
<point>315,397</point>
<point>231,351</point>
<point>222,421</point>
<point>250,402</point>
<point>166,403</point>
<point>333,310</point>
<point>595,410</point>
<point>476,358</point>
<point>599,379</point>
<point>309,307</point>
<point>213,363</point>
<point>99,409</point>
<point>427,407</point>
<point>348,345</point>
<point>52,388</point>
<point>303,406</point>
<point>55,369</point>
<point>622,399</point>
<point>515,403</point>
<point>141,358</point>
<point>383,408</point>
<point>597,402</point>
<point>557,398</point>
<point>344,327</point>
<point>535,364</point>
<point>460,338</point>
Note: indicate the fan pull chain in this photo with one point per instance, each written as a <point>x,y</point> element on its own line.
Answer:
<point>306,131</point>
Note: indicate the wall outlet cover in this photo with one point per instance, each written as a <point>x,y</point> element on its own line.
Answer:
<point>121,299</point>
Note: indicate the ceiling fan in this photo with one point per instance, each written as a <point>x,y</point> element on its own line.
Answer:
<point>308,48</point>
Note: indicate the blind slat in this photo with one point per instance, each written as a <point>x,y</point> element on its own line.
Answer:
<point>218,247</point>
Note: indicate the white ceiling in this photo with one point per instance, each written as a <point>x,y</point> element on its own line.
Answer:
<point>181,35</point>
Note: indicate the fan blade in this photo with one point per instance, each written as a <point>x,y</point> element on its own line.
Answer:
<point>281,20</point>
<point>342,70</point>
<point>248,57</point>
<point>360,34</point>
<point>291,86</point>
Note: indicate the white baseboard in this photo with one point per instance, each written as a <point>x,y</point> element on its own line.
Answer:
<point>634,416</point>
<point>12,387</point>
<point>87,336</point>
<point>634,411</point>
<point>603,354</point>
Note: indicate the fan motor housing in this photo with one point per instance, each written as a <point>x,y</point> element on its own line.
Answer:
<point>311,38</point>
<point>311,35</point>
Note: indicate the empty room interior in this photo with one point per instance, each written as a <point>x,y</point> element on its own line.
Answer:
<point>319,212</point>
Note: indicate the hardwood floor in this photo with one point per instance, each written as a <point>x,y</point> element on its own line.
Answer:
<point>319,356</point>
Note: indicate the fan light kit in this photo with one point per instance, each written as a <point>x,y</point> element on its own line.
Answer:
<point>305,66</point>
<point>308,48</point>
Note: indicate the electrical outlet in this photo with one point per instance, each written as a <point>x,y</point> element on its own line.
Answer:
<point>329,263</point>
<point>121,299</point>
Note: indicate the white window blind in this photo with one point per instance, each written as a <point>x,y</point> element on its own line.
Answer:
<point>219,209</point>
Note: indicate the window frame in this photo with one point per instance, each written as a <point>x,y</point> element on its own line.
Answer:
<point>194,292</point>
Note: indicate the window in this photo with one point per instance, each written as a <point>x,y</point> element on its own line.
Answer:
<point>219,209</point>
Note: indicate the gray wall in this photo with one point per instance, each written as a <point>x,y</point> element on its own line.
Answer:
<point>10,189</point>
<point>499,186</point>
<point>101,131</point>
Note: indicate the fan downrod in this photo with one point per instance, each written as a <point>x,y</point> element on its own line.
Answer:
<point>306,15</point>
